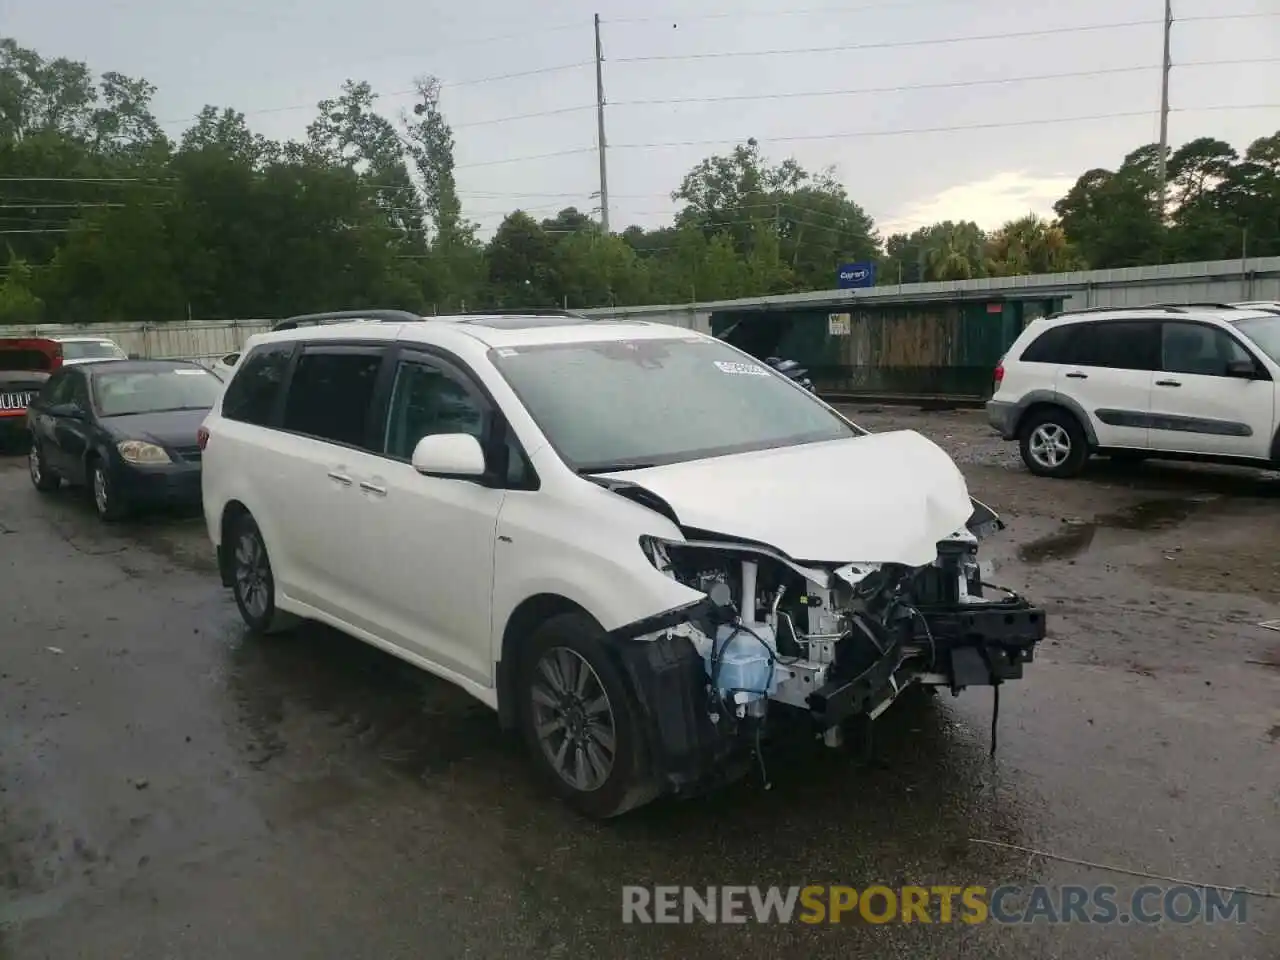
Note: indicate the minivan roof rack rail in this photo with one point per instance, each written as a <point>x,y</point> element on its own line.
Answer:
<point>521,312</point>
<point>337,316</point>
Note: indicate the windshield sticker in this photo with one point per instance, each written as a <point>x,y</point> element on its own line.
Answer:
<point>506,352</point>
<point>748,369</point>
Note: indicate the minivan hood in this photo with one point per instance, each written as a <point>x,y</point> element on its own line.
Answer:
<point>879,498</point>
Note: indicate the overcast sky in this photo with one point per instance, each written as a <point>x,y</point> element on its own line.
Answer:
<point>274,59</point>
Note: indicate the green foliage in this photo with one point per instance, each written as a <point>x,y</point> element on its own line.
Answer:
<point>104,218</point>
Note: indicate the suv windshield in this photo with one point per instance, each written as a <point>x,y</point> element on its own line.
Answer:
<point>151,391</point>
<point>1265,332</point>
<point>614,405</point>
<point>92,350</point>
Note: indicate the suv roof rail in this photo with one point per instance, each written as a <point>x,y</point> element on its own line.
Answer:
<point>1171,307</point>
<point>337,316</point>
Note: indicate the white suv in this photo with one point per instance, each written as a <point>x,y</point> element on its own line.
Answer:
<point>1181,382</point>
<point>635,542</point>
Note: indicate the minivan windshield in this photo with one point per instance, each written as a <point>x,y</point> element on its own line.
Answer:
<point>1265,332</point>
<point>625,404</point>
<point>117,394</point>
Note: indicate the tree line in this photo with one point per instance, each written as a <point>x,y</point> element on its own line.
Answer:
<point>105,217</point>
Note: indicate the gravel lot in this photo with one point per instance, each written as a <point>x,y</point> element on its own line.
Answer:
<point>171,788</point>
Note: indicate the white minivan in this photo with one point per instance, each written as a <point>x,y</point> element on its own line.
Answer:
<point>636,543</point>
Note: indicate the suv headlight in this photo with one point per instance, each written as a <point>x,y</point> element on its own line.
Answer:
<point>139,451</point>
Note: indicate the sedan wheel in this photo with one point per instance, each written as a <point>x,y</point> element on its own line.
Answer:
<point>105,499</point>
<point>43,480</point>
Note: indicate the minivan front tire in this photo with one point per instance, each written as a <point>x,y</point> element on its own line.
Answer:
<point>1053,443</point>
<point>579,720</point>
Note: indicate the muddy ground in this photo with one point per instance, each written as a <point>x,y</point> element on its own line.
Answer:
<point>170,788</point>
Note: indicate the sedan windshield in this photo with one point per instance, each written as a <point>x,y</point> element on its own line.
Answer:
<point>616,405</point>
<point>122,393</point>
<point>1265,332</point>
<point>92,350</point>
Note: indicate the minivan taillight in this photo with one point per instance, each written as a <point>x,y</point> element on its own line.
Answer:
<point>202,437</point>
<point>999,375</point>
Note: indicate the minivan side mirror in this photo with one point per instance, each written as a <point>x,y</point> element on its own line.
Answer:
<point>451,455</point>
<point>1243,369</point>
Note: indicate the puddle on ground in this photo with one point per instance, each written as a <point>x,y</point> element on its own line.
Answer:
<point>1076,536</point>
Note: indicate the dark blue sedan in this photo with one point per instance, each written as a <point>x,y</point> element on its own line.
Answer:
<point>125,429</point>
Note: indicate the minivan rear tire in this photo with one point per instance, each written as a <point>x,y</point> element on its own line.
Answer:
<point>253,583</point>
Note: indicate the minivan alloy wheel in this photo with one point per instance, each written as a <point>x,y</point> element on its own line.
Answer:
<point>1050,445</point>
<point>252,574</point>
<point>573,719</point>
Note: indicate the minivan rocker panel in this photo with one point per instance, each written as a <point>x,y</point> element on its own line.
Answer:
<point>696,602</point>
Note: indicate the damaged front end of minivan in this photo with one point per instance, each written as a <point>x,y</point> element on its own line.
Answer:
<point>827,643</point>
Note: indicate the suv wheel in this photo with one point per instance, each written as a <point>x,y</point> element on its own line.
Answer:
<point>44,479</point>
<point>578,719</point>
<point>252,582</point>
<point>1053,445</point>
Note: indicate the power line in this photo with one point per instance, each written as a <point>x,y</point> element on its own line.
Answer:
<point>540,71</point>
<point>942,85</point>
<point>938,41</point>
<point>523,116</point>
<point>943,129</point>
<point>534,156</point>
<point>104,181</point>
<point>744,14</point>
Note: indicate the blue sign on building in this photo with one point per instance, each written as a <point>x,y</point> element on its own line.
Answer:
<point>856,275</point>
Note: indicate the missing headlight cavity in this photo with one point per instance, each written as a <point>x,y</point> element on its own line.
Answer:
<point>830,642</point>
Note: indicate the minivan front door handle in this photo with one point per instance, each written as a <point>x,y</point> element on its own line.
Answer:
<point>373,488</point>
<point>342,478</point>
<point>1077,375</point>
<point>1168,383</point>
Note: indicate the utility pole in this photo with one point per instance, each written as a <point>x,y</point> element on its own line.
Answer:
<point>1164,104</point>
<point>604,163</point>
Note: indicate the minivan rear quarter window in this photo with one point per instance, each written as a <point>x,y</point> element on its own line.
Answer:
<point>253,392</point>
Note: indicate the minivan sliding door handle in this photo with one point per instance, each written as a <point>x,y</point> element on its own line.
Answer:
<point>1077,375</point>
<point>342,478</point>
<point>1168,383</point>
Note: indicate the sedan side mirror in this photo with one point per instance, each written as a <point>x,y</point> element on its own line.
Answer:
<point>450,455</point>
<point>1243,369</point>
<point>70,411</point>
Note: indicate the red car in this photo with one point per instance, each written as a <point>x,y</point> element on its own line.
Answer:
<point>25,364</point>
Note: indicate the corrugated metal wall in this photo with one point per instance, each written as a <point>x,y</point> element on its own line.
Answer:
<point>202,341</point>
<point>933,348</point>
